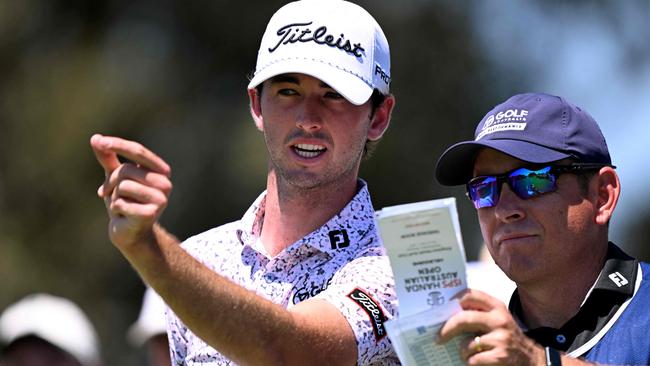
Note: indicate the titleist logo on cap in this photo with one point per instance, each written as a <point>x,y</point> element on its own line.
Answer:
<point>301,32</point>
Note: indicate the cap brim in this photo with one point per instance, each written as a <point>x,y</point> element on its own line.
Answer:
<point>456,164</point>
<point>348,85</point>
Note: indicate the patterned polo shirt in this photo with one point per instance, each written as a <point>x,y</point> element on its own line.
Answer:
<point>342,262</point>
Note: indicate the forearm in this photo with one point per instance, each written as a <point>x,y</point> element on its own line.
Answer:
<point>238,323</point>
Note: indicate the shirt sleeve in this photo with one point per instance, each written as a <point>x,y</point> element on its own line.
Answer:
<point>364,292</point>
<point>177,341</point>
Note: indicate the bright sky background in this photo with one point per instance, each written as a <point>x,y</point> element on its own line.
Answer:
<point>584,55</point>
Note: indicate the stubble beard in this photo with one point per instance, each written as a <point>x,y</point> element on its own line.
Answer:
<point>303,180</point>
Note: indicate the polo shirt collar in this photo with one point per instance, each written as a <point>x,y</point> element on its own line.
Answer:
<point>614,285</point>
<point>344,230</point>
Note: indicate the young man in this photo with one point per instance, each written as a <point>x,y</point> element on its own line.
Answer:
<point>541,178</point>
<point>302,277</point>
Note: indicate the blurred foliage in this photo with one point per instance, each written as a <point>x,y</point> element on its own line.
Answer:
<point>172,75</point>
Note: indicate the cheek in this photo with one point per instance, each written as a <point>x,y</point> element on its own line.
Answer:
<point>580,218</point>
<point>350,132</point>
<point>486,222</point>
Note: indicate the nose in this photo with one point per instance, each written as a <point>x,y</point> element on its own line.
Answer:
<point>508,208</point>
<point>309,117</point>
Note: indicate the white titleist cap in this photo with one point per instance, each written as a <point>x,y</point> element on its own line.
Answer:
<point>151,320</point>
<point>54,319</point>
<point>335,41</point>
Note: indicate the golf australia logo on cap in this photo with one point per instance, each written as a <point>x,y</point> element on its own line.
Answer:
<point>511,119</point>
<point>301,32</point>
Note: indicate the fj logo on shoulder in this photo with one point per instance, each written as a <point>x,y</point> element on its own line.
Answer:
<point>618,279</point>
<point>339,239</point>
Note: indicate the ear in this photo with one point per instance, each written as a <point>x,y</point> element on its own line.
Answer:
<point>256,108</point>
<point>381,118</point>
<point>608,189</point>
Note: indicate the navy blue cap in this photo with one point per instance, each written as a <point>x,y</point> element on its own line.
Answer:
<point>533,127</point>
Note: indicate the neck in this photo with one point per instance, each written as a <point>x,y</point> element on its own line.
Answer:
<point>293,212</point>
<point>554,301</point>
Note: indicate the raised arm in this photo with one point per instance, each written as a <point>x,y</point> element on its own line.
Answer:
<point>238,323</point>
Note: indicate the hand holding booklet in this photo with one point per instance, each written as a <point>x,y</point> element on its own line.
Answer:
<point>425,249</point>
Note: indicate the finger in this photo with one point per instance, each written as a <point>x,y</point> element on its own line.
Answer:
<point>136,212</point>
<point>139,193</point>
<point>135,173</point>
<point>107,159</point>
<point>478,300</point>
<point>467,321</point>
<point>490,357</point>
<point>133,151</point>
<point>474,345</point>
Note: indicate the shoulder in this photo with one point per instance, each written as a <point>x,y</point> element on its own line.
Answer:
<point>212,236</point>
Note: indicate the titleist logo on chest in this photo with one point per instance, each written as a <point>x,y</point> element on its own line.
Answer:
<point>302,32</point>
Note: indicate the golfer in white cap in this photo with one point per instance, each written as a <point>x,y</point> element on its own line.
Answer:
<point>301,278</point>
<point>46,330</point>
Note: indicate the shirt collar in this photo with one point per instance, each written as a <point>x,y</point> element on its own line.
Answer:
<point>618,275</point>
<point>343,230</point>
<point>614,285</point>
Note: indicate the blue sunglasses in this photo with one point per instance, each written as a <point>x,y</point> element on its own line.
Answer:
<point>526,183</point>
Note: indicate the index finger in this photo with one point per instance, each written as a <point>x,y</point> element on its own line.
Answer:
<point>107,159</point>
<point>131,150</point>
<point>467,321</point>
<point>474,299</point>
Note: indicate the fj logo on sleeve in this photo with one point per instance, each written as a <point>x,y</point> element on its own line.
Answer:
<point>618,279</point>
<point>339,239</point>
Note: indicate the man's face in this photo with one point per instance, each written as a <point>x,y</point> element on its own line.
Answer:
<point>538,239</point>
<point>314,136</point>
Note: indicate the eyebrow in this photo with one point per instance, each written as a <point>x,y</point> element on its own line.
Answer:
<point>289,78</point>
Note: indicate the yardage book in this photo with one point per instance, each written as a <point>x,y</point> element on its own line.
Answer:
<point>425,248</point>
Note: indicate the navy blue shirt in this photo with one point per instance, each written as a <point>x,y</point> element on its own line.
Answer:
<point>613,325</point>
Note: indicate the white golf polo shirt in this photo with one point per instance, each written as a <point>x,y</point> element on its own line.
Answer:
<point>342,262</point>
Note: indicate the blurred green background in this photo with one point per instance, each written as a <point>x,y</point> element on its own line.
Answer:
<point>172,75</point>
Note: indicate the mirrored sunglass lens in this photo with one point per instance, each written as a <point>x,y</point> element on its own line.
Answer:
<point>483,192</point>
<point>530,183</point>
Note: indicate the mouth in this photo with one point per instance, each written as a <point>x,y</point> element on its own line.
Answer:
<point>309,151</point>
<point>514,238</point>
